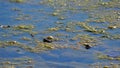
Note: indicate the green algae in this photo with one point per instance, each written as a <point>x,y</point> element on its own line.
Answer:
<point>24,27</point>
<point>43,47</point>
<point>26,38</point>
<point>96,16</point>
<point>17,1</point>
<point>115,36</point>
<point>62,6</point>
<point>105,65</point>
<point>106,57</point>
<point>16,62</point>
<point>111,36</point>
<point>90,28</point>
<point>55,14</point>
<point>112,27</point>
<point>40,46</point>
<point>9,43</point>
<point>53,29</point>
<point>86,39</point>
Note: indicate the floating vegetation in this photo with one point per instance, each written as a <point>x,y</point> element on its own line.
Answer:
<point>107,57</point>
<point>61,18</point>
<point>15,43</point>
<point>16,62</point>
<point>112,27</point>
<point>22,16</point>
<point>43,47</point>
<point>112,3</point>
<point>17,1</point>
<point>25,28</point>
<point>53,29</point>
<point>26,38</point>
<point>55,14</point>
<point>105,65</point>
<point>115,36</point>
<point>86,40</point>
<point>90,28</point>
<point>9,43</point>
<point>86,31</point>
<point>111,36</point>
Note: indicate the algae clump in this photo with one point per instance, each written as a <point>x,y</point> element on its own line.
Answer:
<point>17,1</point>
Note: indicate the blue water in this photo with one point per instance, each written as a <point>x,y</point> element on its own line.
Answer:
<point>42,19</point>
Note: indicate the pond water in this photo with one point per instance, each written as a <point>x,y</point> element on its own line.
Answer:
<point>74,24</point>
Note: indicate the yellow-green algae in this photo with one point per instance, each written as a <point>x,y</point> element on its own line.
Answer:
<point>90,28</point>
<point>86,39</point>
<point>53,29</point>
<point>17,1</point>
<point>26,38</point>
<point>16,62</point>
<point>104,56</point>
<point>24,27</point>
<point>109,16</point>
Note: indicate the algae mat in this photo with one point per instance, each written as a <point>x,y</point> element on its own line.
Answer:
<point>59,34</point>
